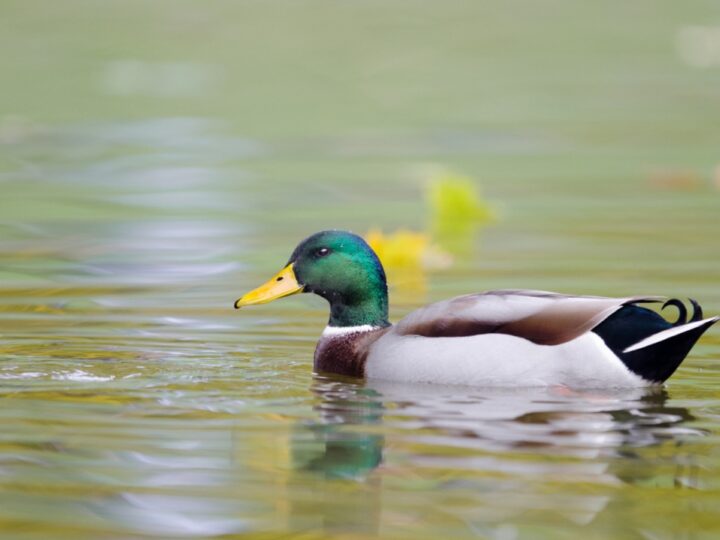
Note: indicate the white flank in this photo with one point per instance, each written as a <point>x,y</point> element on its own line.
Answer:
<point>498,360</point>
<point>331,331</point>
<point>666,334</point>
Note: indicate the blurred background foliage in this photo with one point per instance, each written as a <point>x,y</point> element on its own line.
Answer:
<point>318,114</point>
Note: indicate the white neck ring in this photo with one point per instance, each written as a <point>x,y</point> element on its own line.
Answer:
<point>331,331</point>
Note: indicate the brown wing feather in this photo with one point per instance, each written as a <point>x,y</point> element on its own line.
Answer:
<point>541,317</point>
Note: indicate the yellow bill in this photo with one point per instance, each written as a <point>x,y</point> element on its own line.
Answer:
<point>284,283</point>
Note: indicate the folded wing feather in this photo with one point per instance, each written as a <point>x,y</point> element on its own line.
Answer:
<point>542,317</point>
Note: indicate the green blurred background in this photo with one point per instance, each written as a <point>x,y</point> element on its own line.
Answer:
<point>157,159</point>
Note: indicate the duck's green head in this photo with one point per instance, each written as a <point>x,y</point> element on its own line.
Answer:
<point>340,267</point>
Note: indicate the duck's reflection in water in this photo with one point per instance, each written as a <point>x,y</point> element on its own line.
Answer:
<point>379,458</point>
<point>340,450</point>
<point>334,449</point>
<point>508,447</point>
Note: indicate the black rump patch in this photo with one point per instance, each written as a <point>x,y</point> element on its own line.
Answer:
<point>631,324</point>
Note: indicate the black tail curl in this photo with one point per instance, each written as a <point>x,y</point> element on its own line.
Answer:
<point>697,311</point>
<point>682,310</point>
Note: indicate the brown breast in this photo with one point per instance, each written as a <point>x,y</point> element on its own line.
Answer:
<point>345,354</point>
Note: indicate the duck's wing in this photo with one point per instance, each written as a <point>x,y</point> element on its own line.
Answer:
<point>544,318</point>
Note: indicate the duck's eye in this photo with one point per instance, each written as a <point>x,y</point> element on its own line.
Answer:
<point>322,252</point>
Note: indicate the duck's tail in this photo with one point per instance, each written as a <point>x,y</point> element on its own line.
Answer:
<point>649,345</point>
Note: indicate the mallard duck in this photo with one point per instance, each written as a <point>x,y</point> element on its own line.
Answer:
<point>493,338</point>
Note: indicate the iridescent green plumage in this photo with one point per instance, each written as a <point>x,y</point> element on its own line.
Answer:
<point>343,269</point>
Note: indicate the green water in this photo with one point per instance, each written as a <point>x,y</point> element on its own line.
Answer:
<point>159,159</point>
